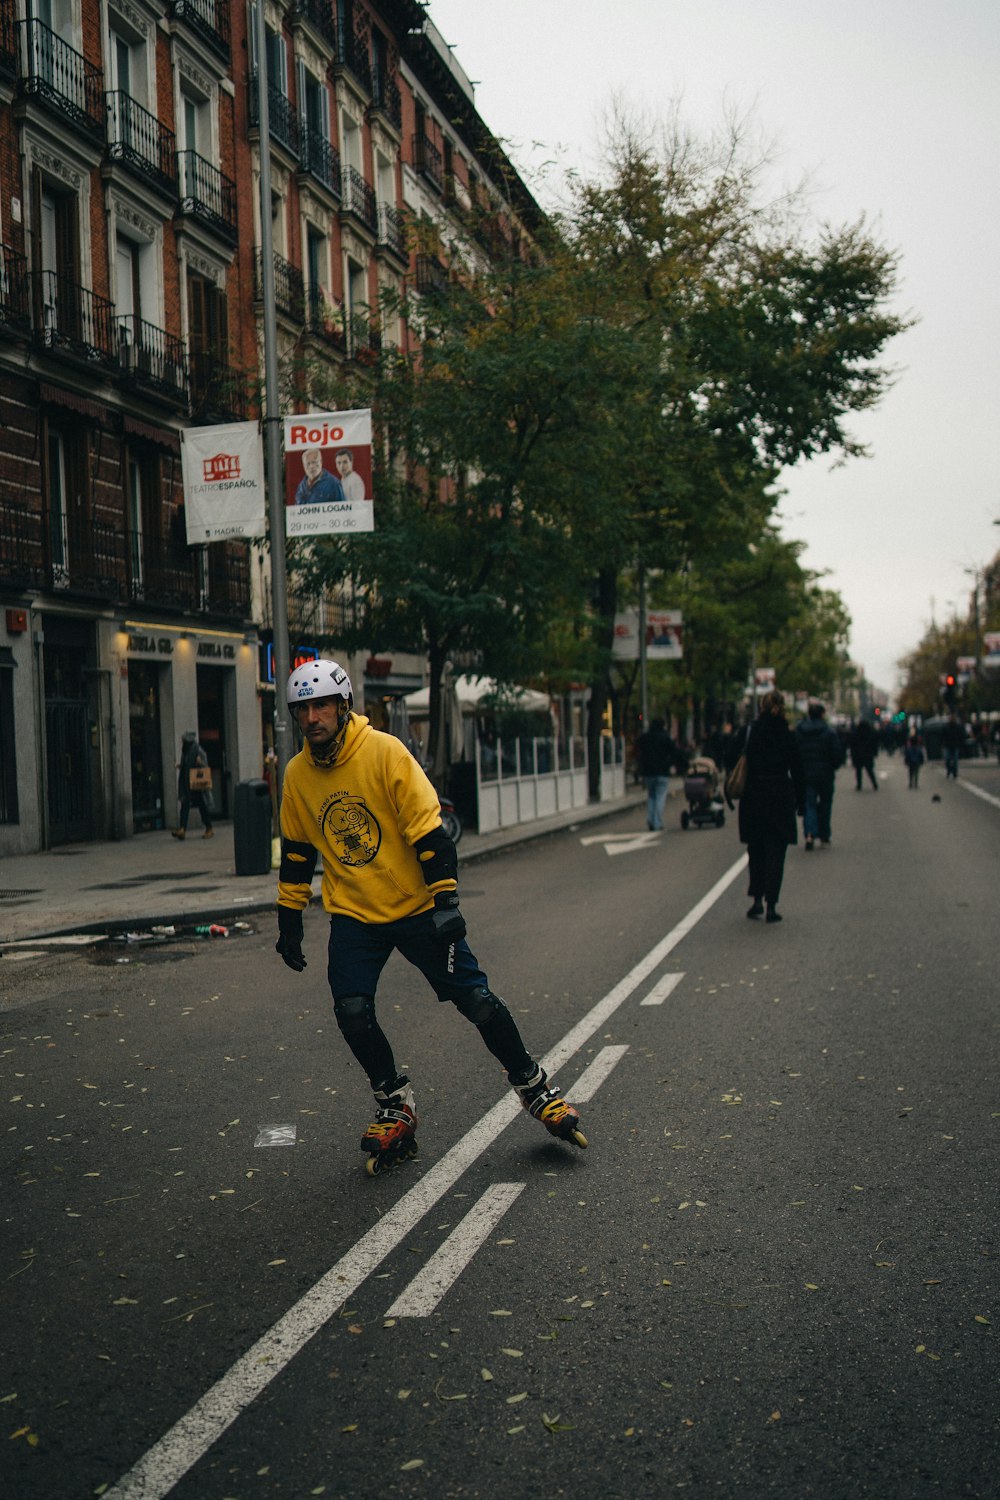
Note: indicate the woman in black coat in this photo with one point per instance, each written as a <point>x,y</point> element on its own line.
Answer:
<point>773,798</point>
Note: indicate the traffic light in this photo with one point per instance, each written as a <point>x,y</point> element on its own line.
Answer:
<point>949,689</point>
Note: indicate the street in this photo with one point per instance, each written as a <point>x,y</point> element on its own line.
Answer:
<point>772,1272</point>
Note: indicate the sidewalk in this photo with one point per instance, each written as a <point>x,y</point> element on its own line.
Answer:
<point>88,890</point>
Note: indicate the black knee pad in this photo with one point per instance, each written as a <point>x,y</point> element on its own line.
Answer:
<point>480,1006</point>
<point>355,1014</point>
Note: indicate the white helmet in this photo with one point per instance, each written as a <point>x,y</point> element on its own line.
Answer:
<point>319,679</point>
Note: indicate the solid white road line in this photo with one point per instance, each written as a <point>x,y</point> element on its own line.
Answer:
<point>663,987</point>
<point>977,791</point>
<point>170,1458</point>
<point>592,1077</point>
<point>448,1262</point>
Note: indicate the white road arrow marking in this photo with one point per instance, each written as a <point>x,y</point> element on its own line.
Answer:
<point>622,843</point>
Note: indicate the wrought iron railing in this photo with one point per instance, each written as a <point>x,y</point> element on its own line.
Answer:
<point>392,229</point>
<point>320,17</point>
<point>386,99</point>
<point>15,304</point>
<point>21,551</point>
<point>206,193</point>
<point>289,286</point>
<point>151,358</point>
<point>319,158</point>
<point>73,319</point>
<point>209,18</point>
<point>325,317</point>
<point>352,52</point>
<point>431,275</point>
<point>60,77</point>
<point>359,199</point>
<point>427,160</point>
<point>218,390</point>
<point>282,121</point>
<point>137,138</point>
<point>364,338</point>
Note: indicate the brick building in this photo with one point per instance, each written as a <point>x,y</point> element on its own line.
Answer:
<point>131,307</point>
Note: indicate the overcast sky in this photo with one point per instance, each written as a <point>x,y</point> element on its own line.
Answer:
<point>892,108</point>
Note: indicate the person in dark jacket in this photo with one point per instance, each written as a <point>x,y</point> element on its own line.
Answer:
<point>864,748</point>
<point>914,758</point>
<point>657,756</point>
<point>821,753</point>
<point>775,793</point>
<point>192,755</point>
<point>952,741</point>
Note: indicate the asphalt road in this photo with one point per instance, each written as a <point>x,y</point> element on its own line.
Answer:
<point>772,1273</point>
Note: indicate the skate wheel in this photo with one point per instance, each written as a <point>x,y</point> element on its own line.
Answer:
<point>579,1139</point>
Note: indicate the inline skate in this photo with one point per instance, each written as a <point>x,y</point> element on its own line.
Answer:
<point>547,1104</point>
<point>391,1137</point>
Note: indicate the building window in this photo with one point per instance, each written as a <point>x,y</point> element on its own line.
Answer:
<point>58,508</point>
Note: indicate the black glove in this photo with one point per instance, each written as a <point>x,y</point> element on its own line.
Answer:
<point>289,943</point>
<point>449,924</point>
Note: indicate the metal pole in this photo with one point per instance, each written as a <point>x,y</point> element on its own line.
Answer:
<point>272,416</point>
<point>643,682</point>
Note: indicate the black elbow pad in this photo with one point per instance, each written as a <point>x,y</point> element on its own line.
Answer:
<point>298,863</point>
<point>438,857</point>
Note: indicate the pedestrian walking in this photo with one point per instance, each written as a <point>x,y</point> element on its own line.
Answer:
<point>821,753</point>
<point>864,748</point>
<point>774,795</point>
<point>390,881</point>
<point>952,742</point>
<point>193,758</point>
<point>914,757</point>
<point>657,755</point>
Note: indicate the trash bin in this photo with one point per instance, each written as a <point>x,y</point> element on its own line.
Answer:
<point>252,828</point>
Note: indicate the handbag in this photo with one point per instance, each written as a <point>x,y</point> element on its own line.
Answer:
<point>737,779</point>
<point>200,778</point>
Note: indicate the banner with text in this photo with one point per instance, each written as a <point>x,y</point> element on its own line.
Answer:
<point>223,472</point>
<point>328,473</point>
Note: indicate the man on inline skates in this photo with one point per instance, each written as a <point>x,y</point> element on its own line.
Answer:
<point>358,797</point>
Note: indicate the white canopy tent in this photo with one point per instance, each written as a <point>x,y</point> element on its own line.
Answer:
<point>472,690</point>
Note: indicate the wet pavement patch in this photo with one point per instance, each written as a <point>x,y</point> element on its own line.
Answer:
<point>164,944</point>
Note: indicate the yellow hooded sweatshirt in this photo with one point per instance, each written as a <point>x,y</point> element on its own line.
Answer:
<point>363,814</point>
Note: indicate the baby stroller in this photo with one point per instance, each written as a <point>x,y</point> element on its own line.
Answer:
<point>701,788</point>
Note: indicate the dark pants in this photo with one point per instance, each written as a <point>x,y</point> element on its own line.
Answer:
<point>189,800</point>
<point>819,802</point>
<point>767,868</point>
<point>866,766</point>
<point>359,951</point>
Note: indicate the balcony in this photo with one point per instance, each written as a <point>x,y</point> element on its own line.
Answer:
<point>218,391</point>
<point>15,303</point>
<point>206,194</point>
<point>151,360</point>
<point>325,318</point>
<point>351,52</point>
<point>169,574</point>
<point>364,339</point>
<point>392,230</point>
<point>21,547</point>
<point>84,557</point>
<point>289,287</point>
<point>427,160</point>
<point>61,79</point>
<point>72,320</point>
<point>209,19</point>
<point>136,138</point>
<point>319,158</point>
<point>319,15</point>
<point>431,276</point>
<point>359,199</point>
<point>386,101</point>
<point>282,121</point>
